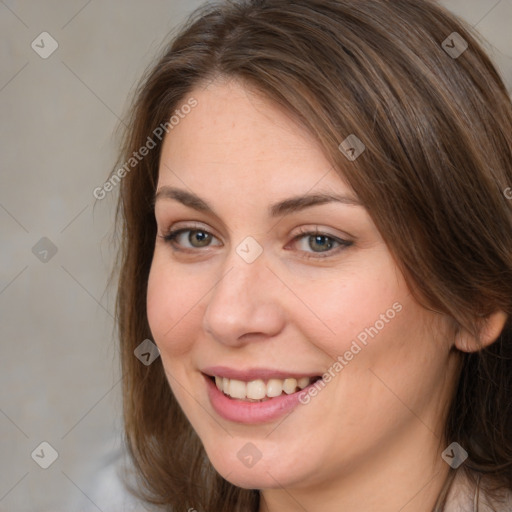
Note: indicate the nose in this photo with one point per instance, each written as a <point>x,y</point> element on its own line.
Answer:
<point>244,306</point>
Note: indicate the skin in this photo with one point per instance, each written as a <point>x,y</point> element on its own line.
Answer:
<point>372,439</point>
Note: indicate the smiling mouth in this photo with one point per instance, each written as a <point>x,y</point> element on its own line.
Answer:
<point>260,390</point>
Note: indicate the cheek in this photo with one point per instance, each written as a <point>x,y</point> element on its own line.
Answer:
<point>376,323</point>
<point>374,330</point>
<point>173,303</point>
<point>360,306</point>
<point>388,349</point>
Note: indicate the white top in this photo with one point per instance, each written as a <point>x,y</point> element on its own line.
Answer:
<point>466,497</point>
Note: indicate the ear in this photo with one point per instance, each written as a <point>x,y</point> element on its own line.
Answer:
<point>489,332</point>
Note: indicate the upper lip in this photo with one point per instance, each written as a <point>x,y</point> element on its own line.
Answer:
<point>253,373</point>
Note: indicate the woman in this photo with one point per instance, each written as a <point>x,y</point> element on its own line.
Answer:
<point>315,235</point>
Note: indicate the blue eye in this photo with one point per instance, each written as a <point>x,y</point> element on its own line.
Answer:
<point>317,244</point>
<point>321,244</point>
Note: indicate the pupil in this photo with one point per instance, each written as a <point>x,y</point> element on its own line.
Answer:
<point>319,239</point>
<point>201,237</point>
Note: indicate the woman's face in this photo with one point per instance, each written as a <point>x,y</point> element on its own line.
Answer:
<point>247,292</point>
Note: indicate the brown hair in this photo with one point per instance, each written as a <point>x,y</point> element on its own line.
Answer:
<point>437,131</point>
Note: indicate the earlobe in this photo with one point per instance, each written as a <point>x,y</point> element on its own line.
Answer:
<point>491,329</point>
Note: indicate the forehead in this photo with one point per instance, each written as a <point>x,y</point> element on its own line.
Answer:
<point>236,136</point>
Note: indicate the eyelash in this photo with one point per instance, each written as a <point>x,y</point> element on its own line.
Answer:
<point>170,237</point>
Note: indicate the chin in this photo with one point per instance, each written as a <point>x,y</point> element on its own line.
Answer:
<point>263,474</point>
<point>250,478</point>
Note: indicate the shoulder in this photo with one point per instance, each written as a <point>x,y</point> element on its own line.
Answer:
<point>477,495</point>
<point>501,501</point>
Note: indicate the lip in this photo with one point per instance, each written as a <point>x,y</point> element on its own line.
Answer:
<point>253,373</point>
<point>251,413</point>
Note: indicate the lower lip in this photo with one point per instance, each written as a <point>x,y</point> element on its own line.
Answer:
<point>251,412</point>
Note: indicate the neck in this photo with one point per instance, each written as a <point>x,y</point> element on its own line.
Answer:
<point>401,476</point>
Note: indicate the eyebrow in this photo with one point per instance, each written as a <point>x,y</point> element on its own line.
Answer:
<point>282,208</point>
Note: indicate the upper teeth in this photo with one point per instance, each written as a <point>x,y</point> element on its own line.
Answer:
<point>258,389</point>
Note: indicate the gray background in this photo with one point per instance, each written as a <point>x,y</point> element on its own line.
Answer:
<point>59,366</point>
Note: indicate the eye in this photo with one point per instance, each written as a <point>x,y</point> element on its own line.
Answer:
<point>317,242</point>
<point>197,238</point>
<point>314,244</point>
